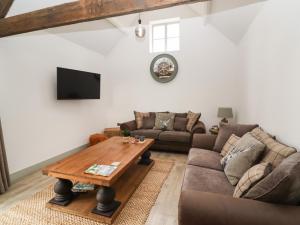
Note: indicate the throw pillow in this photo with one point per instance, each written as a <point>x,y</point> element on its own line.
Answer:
<point>226,130</point>
<point>282,185</point>
<point>242,157</point>
<point>148,122</point>
<point>180,124</point>
<point>276,152</point>
<point>229,144</point>
<point>139,118</point>
<point>164,121</point>
<point>251,177</point>
<point>192,120</point>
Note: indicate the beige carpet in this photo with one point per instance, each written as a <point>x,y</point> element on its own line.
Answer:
<point>32,211</point>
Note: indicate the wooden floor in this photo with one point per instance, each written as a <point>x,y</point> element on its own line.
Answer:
<point>164,211</point>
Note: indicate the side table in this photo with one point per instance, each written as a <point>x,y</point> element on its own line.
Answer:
<point>112,132</point>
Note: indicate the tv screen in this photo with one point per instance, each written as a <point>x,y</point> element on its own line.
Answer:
<point>74,84</point>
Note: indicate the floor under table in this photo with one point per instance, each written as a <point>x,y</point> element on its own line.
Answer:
<point>164,211</point>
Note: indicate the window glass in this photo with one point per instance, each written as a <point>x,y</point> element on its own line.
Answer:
<point>165,35</point>
<point>159,32</point>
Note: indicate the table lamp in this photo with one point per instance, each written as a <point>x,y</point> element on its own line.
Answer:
<point>225,113</point>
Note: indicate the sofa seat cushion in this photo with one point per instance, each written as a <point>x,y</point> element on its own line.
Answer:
<point>175,136</point>
<point>206,180</point>
<point>205,158</point>
<point>148,133</point>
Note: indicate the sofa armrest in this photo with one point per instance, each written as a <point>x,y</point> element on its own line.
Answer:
<point>204,141</point>
<point>204,208</point>
<point>130,125</point>
<point>199,128</point>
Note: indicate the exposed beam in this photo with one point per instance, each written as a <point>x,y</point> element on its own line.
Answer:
<point>4,7</point>
<point>80,11</point>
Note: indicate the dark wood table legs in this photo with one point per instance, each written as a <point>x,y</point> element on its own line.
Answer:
<point>63,192</point>
<point>106,202</point>
<point>145,158</point>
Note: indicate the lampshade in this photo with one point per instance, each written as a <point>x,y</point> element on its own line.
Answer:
<point>225,113</point>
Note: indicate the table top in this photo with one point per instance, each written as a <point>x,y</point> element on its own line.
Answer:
<point>112,150</point>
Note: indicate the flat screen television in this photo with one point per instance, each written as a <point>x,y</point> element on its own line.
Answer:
<point>75,84</point>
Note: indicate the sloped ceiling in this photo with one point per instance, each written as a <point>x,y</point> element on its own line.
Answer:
<point>231,17</point>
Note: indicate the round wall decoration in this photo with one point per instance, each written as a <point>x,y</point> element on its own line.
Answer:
<point>164,68</point>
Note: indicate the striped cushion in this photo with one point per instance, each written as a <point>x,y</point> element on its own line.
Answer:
<point>192,120</point>
<point>251,177</point>
<point>276,152</point>
<point>139,118</point>
<point>228,145</point>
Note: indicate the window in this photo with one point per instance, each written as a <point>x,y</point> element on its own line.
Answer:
<point>165,35</point>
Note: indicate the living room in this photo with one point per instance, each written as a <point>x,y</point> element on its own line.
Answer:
<point>233,57</point>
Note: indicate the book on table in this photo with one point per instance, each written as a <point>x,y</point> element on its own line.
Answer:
<point>102,170</point>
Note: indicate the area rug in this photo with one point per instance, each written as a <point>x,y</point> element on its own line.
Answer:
<point>32,211</point>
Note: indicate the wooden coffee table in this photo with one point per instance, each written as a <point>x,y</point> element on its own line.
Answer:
<point>104,204</point>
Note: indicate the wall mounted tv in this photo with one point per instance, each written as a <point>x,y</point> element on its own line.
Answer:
<point>75,84</point>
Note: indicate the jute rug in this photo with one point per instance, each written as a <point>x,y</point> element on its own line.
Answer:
<point>32,211</point>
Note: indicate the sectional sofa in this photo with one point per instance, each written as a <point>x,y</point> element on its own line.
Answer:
<point>207,196</point>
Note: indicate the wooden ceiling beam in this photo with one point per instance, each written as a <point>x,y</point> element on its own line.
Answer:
<point>4,7</point>
<point>80,11</point>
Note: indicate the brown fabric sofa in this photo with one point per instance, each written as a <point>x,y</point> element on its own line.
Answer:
<point>206,197</point>
<point>175,141</point>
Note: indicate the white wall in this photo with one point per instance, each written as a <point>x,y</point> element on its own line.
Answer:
<point>206,79</point>
<point>257,77</point>
<point>271,70</point>
<point>36,126</point>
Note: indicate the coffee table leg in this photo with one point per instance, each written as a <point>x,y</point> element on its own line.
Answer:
<point>106,202</point>
<point>64,195</point>
<point>145,158</point>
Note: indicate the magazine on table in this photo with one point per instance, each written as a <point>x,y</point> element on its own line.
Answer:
<point>81,187</point>
<point>103,170</point>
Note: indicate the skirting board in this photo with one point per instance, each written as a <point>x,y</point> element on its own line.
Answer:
<point>14,177</point>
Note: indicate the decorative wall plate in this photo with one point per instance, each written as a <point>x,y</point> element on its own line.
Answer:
<point>164,68</point>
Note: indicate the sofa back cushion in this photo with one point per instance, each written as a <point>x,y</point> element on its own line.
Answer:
<point>226,130</point>
<point>251,177</point>
<point>164,121</point>
<point>229,144</point>
<point>275,152</point>
<point>148,122</point>
<point>282,185</point>
<point>181,115</point>
<point>242,157</point>
<point>180,123</point>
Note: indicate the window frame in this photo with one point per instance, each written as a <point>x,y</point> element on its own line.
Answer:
<point>164,23</point>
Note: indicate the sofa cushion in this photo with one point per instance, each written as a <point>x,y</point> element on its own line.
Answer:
<point>181,115</point>
<point>148,122</point>
<point>164,121</point>
<point>242,157</point>
<point>282,185</point>
<point>206,180</point>
<point>251,177</point>
<point>276,152</point>
<point>204,158</point>
<point>229,144</point>
<point>180,123</point>
<point>226,130</point>
<point>175,136</point>
<point>192,120</point>
<point>148,133</point>
<point>139,118</point>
